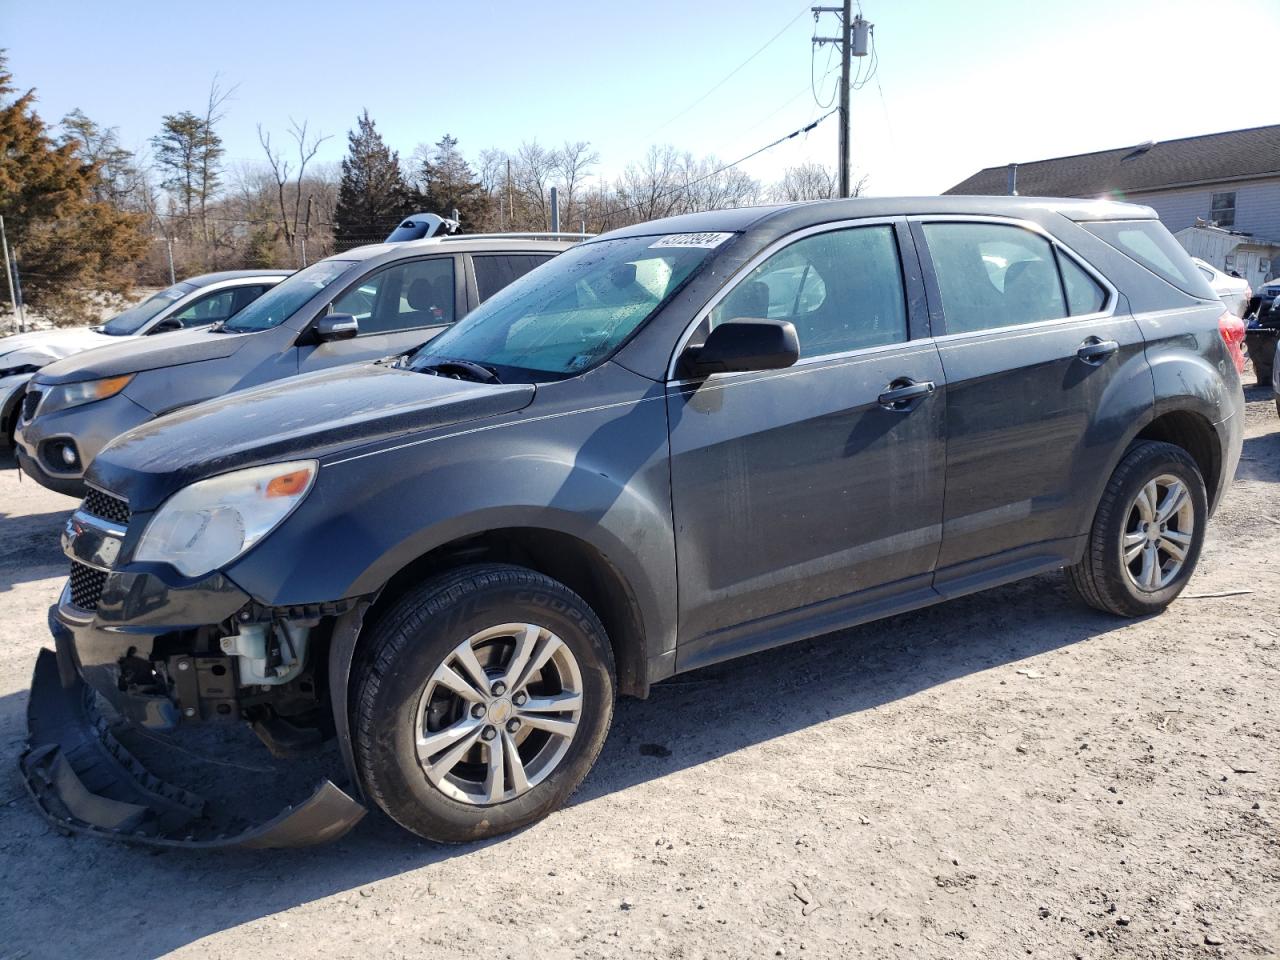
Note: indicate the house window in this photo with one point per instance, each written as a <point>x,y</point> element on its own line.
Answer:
<point>1223,209</point>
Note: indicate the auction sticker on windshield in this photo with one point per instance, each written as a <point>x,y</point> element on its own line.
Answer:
<point>702,240</point>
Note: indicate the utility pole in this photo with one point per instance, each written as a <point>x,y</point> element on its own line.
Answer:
<point>852,42</point>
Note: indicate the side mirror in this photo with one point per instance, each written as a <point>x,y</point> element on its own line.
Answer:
<point>336,326</point>
<point>744,344</point>
<point>167,325</point>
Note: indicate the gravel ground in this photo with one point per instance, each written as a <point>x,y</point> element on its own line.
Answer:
<point>1005,775</point>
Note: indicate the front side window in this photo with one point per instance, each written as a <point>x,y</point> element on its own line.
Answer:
<point>574,312</point>
<point>493,272</point>
<point>133,319</point>
<point>208,309</point>
<point>287,297</point>
<point>841,290</point>
<point>403,296</point>
<point>1222,210</point>
<point>994,275</point>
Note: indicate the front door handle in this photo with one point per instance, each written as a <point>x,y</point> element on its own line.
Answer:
<point>903,394</point>
<point>1094,350</point>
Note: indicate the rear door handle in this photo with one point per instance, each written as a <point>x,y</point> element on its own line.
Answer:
<point>1094,350</point>
<point>903,394</point>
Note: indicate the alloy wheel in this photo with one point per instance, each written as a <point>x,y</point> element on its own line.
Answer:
<point>497,716</point>
<point>1158,533</point>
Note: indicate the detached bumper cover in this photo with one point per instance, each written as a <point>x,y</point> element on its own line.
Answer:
<point>84,781</point>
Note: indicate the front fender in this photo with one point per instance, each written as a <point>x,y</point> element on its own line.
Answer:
<point>11,390</point>
<point>599,474</point>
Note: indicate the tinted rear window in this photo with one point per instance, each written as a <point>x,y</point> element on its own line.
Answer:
<point>495,272</point>
<point>1150,244</point>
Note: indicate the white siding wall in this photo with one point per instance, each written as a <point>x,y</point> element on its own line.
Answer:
<point>1257,206</point>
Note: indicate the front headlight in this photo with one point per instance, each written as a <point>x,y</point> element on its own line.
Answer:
<point>208,524</point>
<point>74,394</point>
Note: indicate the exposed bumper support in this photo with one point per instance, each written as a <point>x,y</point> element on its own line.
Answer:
<point>84,781</point>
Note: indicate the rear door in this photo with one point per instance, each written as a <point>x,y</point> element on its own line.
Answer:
<point>803,495</point>
<point>1034,339</point>
<point>399,307</point>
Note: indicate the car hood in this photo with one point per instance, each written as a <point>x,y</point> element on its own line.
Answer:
<point>299,418</point>
<point>43,347</point>
<point>136,354</point>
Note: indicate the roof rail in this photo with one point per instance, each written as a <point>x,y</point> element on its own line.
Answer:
<point>547,235</point>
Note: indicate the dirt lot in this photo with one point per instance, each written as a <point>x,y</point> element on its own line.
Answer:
<point>1006,775</point>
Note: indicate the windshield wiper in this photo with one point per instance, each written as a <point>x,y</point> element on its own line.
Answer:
<point>460,370</point>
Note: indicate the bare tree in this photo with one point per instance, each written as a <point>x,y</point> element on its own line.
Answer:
<point>210,157</point>
<point>572,163</point>
<point>534,170</point>
<point>306,147</point>
<point>652,187</point>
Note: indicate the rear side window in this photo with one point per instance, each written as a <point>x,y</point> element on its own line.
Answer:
<point>994,275</point>
<point>842,290</point>
<point>495,272</point>
<point>1147,242</point>
<point>1084,294</point>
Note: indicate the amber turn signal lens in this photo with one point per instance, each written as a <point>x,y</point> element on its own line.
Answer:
<point>112,385</point>
<point>289,484</point>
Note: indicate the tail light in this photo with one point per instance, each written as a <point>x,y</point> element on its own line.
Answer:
<point>1232,329</point>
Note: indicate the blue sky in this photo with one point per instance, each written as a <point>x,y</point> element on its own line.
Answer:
<point>961,85</point>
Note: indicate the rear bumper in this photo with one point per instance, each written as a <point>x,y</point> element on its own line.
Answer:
<point>84,781</point>
<point>1231,443</point>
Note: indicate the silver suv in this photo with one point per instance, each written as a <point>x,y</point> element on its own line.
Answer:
<point>367,303</point>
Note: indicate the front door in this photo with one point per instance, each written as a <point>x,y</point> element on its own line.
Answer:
<point>798,494</point>
<point>399,307</point>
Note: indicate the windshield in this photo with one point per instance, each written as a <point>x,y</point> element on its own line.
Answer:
<point>132,320</point>
<point>573,312</point>
<point>285,298</point>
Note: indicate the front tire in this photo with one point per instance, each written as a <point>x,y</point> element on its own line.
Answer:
<point>1147,534</point>
<point>480,702</point>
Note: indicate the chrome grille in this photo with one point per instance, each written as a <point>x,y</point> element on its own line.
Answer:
<point>86,585</point>
<point>30,400</point>
<point>105,505</point>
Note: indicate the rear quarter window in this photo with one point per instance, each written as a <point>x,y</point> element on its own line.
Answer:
<point>1148,243</point>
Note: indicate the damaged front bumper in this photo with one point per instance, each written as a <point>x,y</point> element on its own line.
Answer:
<point>84,781</point>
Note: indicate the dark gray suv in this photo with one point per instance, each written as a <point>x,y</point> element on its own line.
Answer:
<point>678,443</point>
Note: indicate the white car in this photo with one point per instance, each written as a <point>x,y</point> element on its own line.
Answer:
<point>195,302</point>
<point>1233,291</point>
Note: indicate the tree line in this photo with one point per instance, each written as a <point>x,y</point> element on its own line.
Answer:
<point>89,218</point>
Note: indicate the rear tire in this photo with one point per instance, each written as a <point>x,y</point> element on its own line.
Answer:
<point>1137,559</point>
<point>452,761</point>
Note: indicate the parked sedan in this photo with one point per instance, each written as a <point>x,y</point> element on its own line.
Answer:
<point>1233,291</point>
<point>194,302</point>
<point>364,304</point>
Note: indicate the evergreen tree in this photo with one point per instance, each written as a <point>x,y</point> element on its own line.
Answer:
<point>188,152</point>
<point>118,176</point>
<point>447,183</point>
<point>372,195</point>
<point>64,238</point>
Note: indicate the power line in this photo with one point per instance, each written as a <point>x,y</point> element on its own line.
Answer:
<point>719,170</point>
<point>730,74</point>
